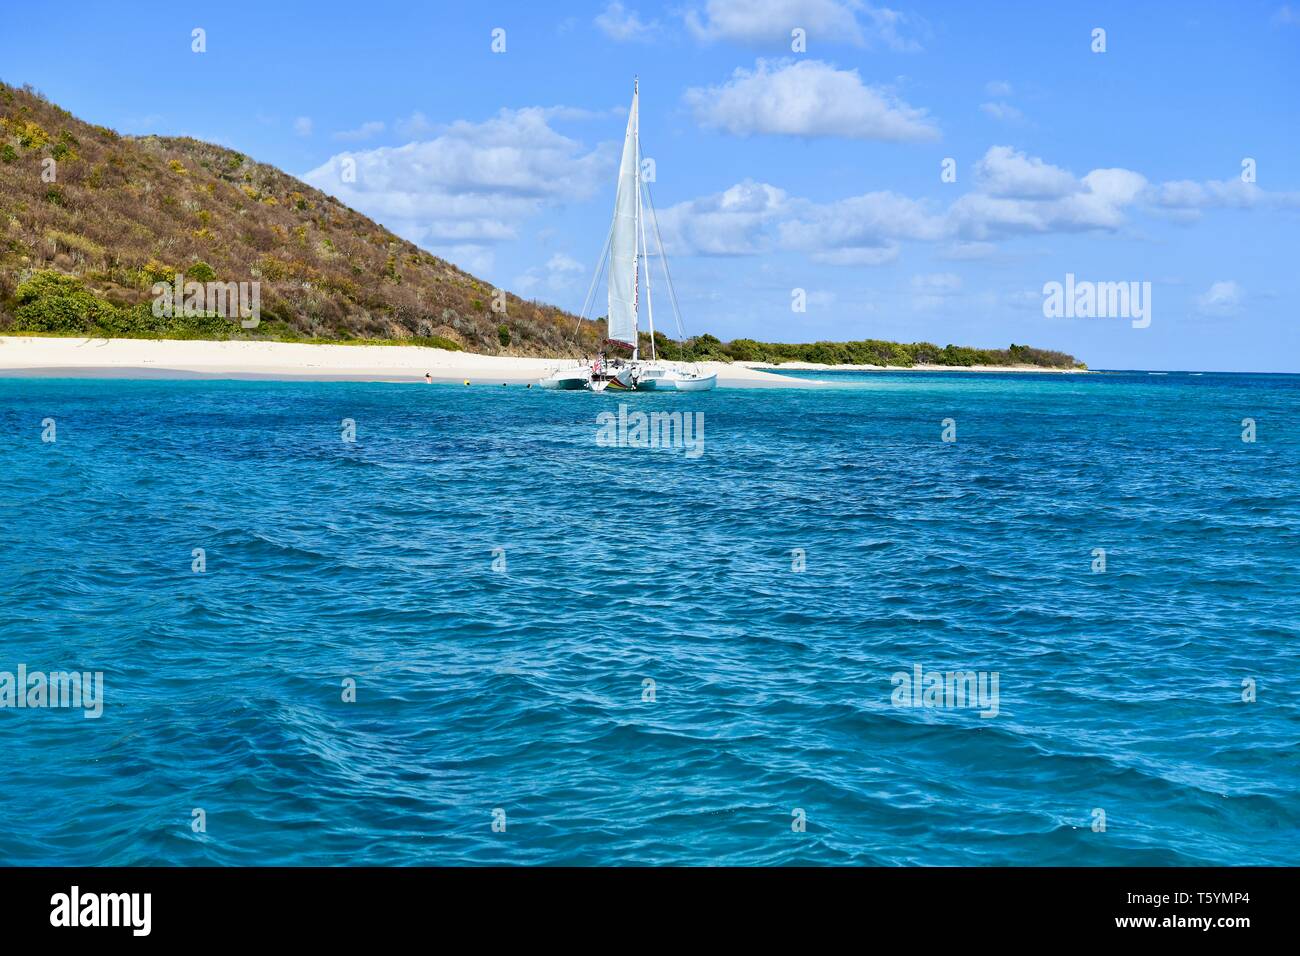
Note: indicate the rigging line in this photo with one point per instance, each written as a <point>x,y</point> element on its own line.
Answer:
<point>663,258</point>
<point>591,290</point>
<point>645,248</point>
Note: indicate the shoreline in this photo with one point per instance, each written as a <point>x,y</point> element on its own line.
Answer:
<point>68,357</point>
<point>817,367</point>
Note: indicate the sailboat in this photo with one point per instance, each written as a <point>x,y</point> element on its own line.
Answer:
<point>625,249</point>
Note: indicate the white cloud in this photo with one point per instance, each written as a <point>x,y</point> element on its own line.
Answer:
<point>563,264</point>
<point>414,126</point>
<point>959,251</point>
<point>557,275</point>
<point>997,88</point>
<point>807,98</point>
<point>1004,112</point>
<point>937,283</point>
<point>1014,195</point>
<point>1005,172</point>
<point>471,257</point>
<point>860,230</point>
<point>302,126</point>
<point>363,132</point>
<point>1187,198</point>
<point>473,184</point>
<point>1286,16</point>
<point>934,289</point>
<point>619,23</point>
<point>1221,299</point>
<point>765,22</point>
<point>730,223</point>
<point>859,256</point>
<point>1019,194</point>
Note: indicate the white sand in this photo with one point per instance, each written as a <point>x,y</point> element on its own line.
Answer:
<point>166,358</point>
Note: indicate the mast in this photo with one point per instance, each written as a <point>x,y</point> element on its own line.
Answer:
<point>645,248</point>
<point>636,261</point>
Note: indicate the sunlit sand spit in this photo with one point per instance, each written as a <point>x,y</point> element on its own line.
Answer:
<point>131,358</point>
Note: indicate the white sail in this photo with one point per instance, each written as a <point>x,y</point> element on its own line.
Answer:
<point>623,243</point>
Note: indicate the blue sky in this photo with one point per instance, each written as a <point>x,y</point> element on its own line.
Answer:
<point>775,169</point>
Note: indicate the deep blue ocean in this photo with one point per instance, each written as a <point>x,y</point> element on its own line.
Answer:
<point>501,587</point>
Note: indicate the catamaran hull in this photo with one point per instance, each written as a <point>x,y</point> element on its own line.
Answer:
<point>564,384</point>
<point>569,380</point>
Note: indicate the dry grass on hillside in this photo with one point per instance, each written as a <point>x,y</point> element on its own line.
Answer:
<point>126,211</point>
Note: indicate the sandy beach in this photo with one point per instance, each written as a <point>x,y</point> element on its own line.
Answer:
<point>172,358</point>
<point>168,358</point>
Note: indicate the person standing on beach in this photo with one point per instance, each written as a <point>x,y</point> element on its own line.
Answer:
<point>428,378</point>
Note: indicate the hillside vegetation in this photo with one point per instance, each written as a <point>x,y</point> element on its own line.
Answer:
<point>90,220</point>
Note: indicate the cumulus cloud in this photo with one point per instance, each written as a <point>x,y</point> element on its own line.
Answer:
<point>760,22</point>
<point>414,126</point>
<point>1004,171</point>
<point>558,274</point>
<point>730,223</point>
<point>934,289</point>
<point>619,23</point>
<point>1003,112</point>
<point>473,184</point>
<point>1221,299</point>
<point>807,98</point>
<point>751,218</point>
<point>1189,198</point>
<point>960,251</point>
<point>1018,194</point>
<point>363,132</point>
<point>860,230</point>
<point>1014,194</point>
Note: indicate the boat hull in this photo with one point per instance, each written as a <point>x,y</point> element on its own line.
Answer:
<point>564,384</point>
<point>660,379</point>
<point>702,384</point>
<point>568,380</point>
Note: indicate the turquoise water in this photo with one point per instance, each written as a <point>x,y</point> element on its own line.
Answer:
<point>522,689</point>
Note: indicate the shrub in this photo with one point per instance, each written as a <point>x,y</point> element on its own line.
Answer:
<point>201,272</point>
<point>50,301</point>
<point>503,335</point>
<point>7,153</point>
<point>273,269</point>
<point>30,135</point>
<point>155,271</point>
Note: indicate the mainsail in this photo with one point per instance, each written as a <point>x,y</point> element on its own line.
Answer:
<point>623,242</point>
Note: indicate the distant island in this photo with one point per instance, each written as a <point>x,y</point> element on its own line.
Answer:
<point>81,250</point>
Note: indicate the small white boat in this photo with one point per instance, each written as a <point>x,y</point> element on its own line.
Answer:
<point>571,379</point>
<point>624,251</point>
<point>658,377</point>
